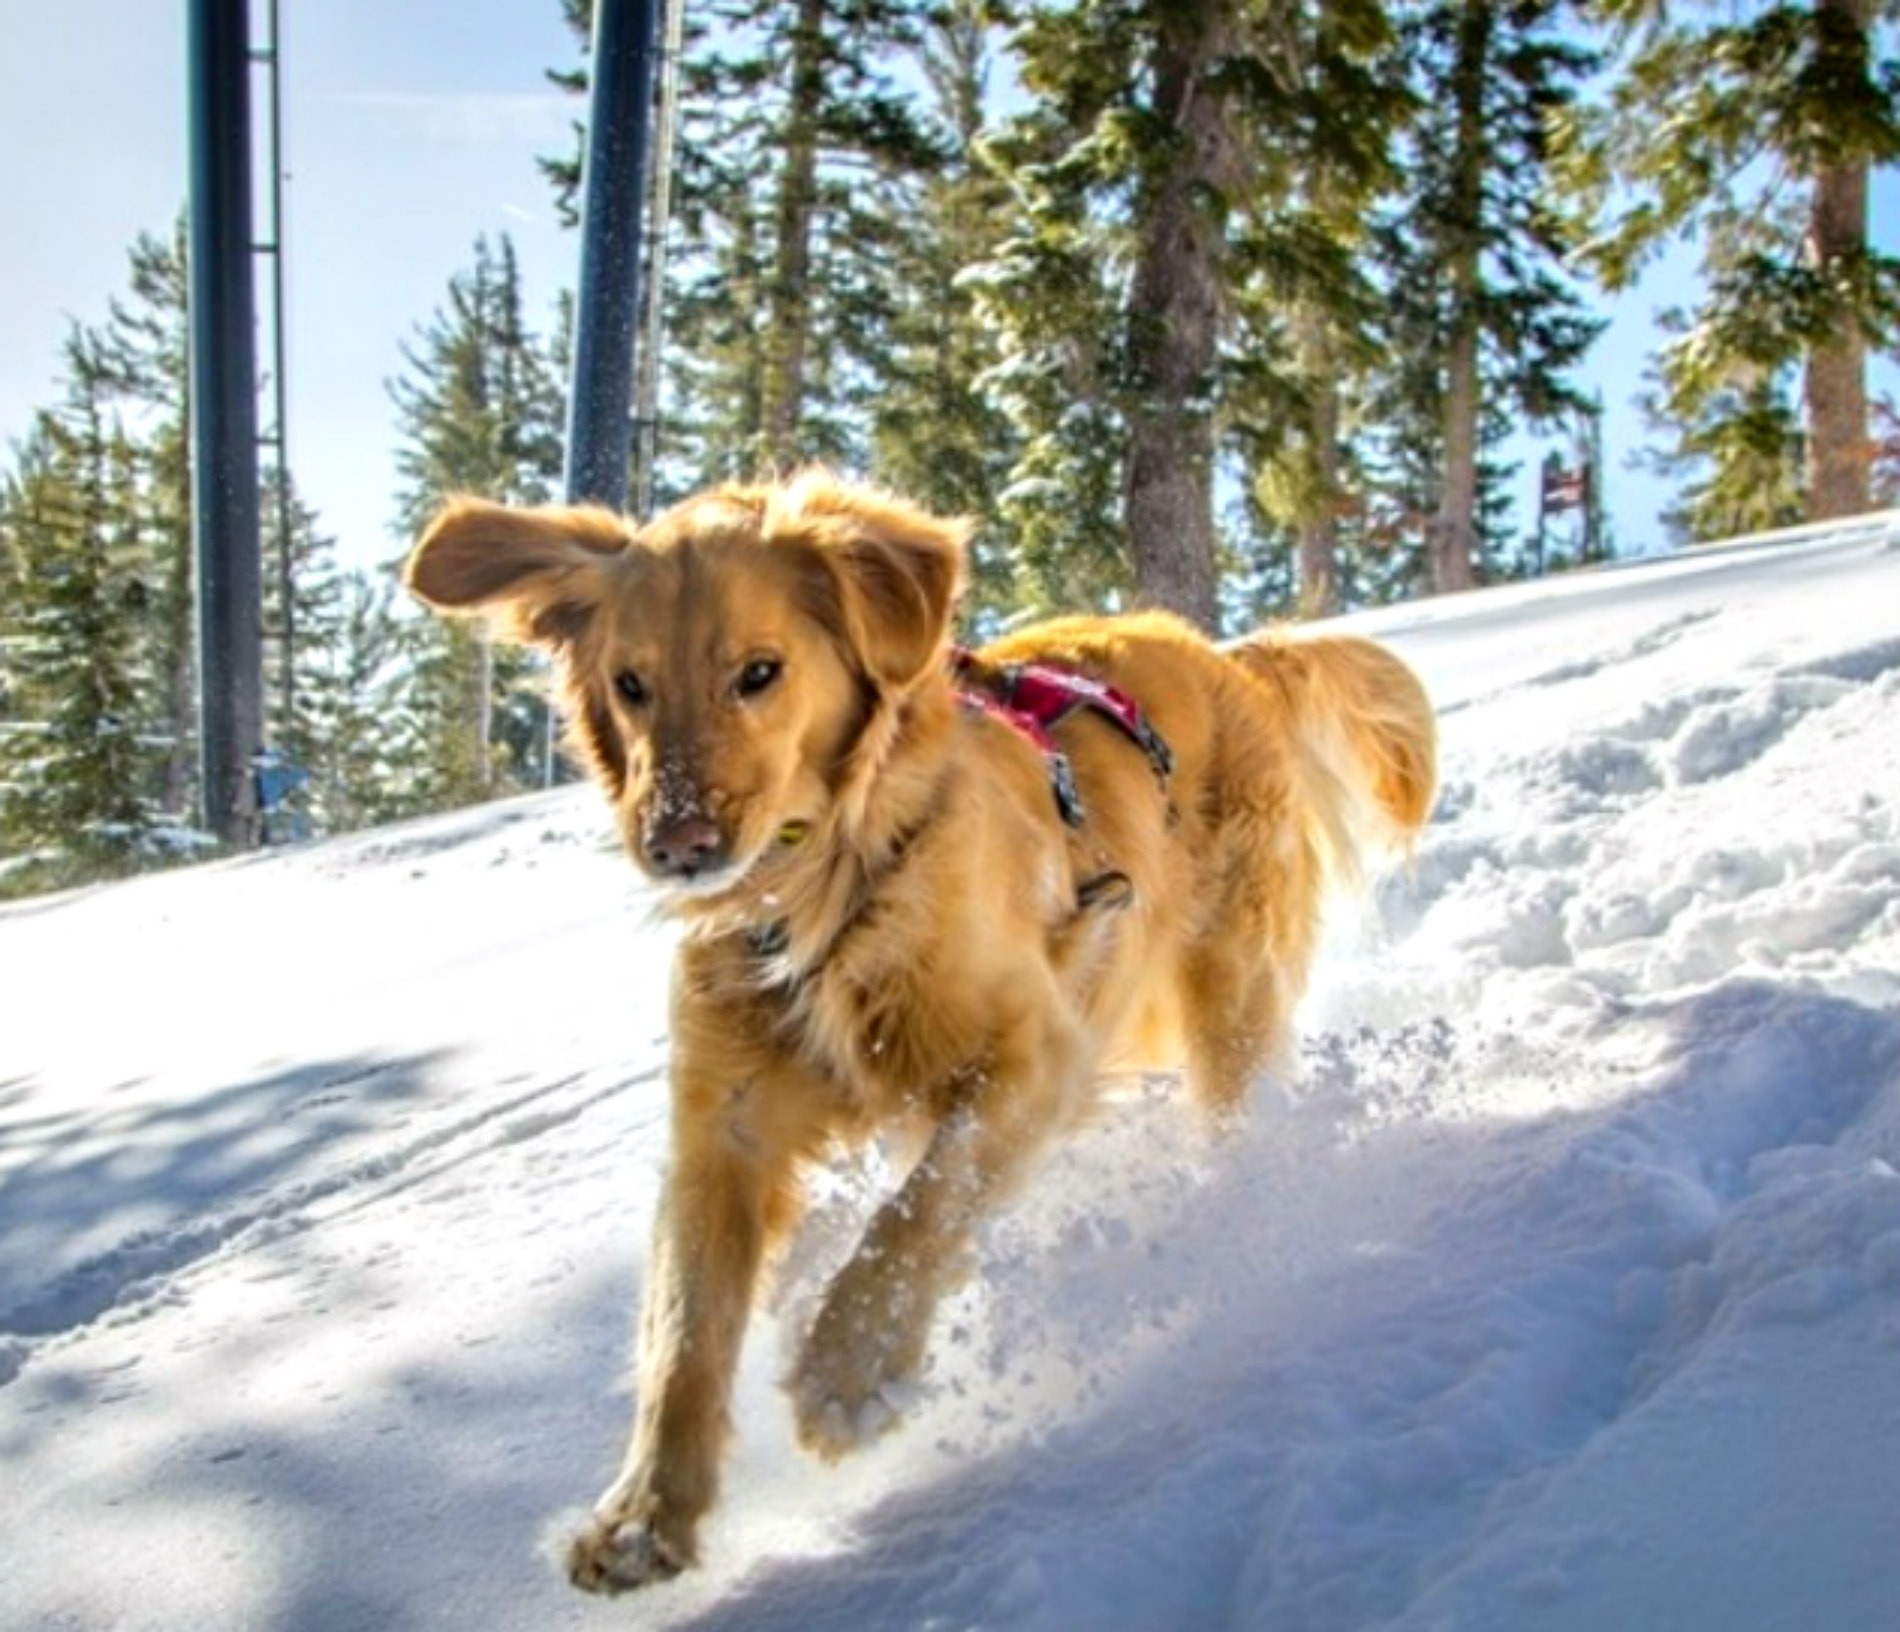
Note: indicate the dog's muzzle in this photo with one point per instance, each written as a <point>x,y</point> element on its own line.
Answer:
<point>686,847</point>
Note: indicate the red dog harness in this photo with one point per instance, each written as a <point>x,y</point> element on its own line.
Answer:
<point>1036,697</point>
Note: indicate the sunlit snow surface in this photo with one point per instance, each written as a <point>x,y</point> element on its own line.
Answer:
<point>1561,1289</point>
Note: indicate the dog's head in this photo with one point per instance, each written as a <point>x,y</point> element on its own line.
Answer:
<point>721,666</point>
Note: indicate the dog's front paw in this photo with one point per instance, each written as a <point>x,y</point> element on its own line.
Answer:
<point>610,1556</point>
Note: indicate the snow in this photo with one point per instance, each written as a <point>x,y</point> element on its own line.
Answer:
<point>1560,1289</point>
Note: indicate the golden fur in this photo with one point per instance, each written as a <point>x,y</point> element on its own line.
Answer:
<point>888,927</point>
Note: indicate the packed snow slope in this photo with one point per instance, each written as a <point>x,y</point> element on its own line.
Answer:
<point>1560,1289</point>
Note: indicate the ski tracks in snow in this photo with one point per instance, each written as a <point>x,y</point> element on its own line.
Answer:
<point>343,1165</point>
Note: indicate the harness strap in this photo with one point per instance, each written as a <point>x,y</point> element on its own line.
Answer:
<point>1036,697</point>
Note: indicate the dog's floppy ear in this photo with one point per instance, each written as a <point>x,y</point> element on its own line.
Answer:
<point>899,573</point>
<point>534,572</point>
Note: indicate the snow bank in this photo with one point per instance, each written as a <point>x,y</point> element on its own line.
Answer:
<point>1558,1291</point>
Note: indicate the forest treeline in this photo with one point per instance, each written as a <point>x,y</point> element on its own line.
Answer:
<point>1220,305</point>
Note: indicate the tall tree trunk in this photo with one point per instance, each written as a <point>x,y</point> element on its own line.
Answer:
<point>742,456</point>
<point>485,710</point>
<point>1318,529</point>
<point>788,314</point>
<point>181,682</point>
<point>1455,530</point>
<point>1175,309</point>
<point>178,639</point>
<point>1839,453</point>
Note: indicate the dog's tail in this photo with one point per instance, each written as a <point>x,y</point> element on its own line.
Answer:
<point>1366,731</point>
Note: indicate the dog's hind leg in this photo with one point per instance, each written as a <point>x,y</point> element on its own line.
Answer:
<point>1239,985</point>
<point>1236,1018</point>
<point>872,1328</point>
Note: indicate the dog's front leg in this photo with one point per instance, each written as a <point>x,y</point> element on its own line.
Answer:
<point>872,1328</point>
<point>708,1241</point>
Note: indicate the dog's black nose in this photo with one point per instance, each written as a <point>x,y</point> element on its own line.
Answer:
<point>685,846</point>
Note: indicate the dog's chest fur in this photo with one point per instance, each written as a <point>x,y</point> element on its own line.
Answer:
<point>883,1013</point>
<point>874,999</point>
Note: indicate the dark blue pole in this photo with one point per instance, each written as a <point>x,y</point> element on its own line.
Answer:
<point>224,495</point>
<point>613,180</point>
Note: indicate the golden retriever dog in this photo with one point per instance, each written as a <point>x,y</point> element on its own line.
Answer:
<point>903,913</point>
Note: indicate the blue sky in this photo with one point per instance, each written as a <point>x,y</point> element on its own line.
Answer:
<point>410,129</point>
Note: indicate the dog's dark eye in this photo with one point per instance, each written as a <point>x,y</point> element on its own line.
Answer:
<point>757,675</point>
<point>631,690</point>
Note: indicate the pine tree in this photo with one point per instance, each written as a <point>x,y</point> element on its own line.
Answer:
<point>363,732</point>
<point>1485,324</point>
<point>76,774</point>
<point>143,349</point>
<point>339,718</point>
<point>934,433</point>
<point>1128,169</point>
<point>563,171</point>
<point>480,411</point>
<point>14,642</point>
<point>1734,447</point>
<point>797,152</point>
<point>787,315</point>
<point>97,636</point>
<point>1051,291</point>
<point>1750,129</point>
<point>1306,310</point>
<point>1177,298</point>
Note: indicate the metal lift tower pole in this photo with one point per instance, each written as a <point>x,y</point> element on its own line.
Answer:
<point>614,185</point>
<point>224,496</point>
